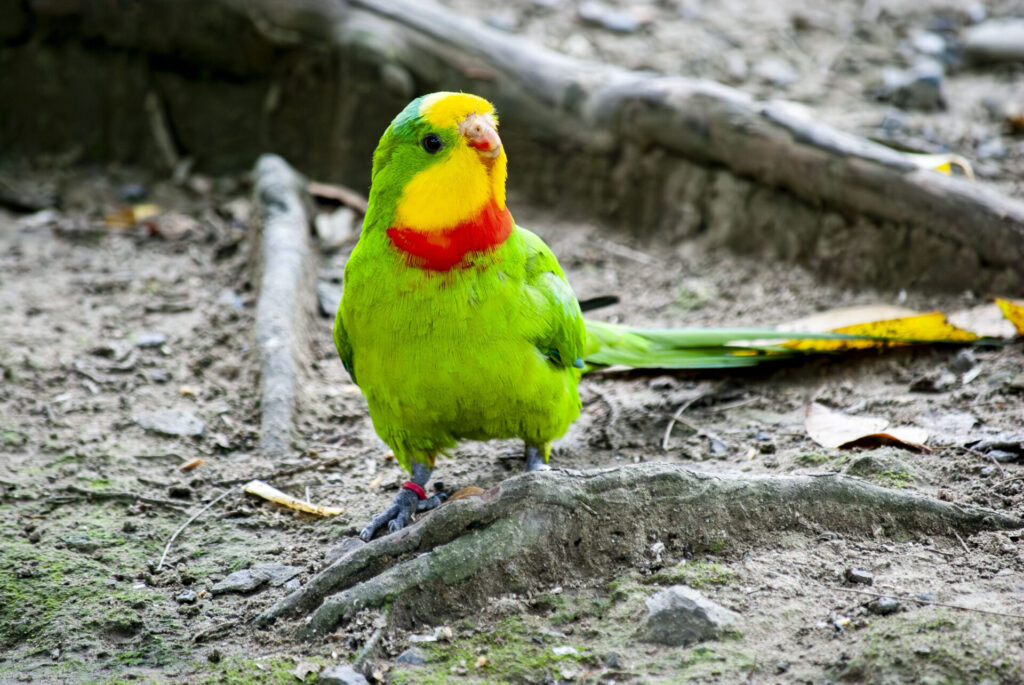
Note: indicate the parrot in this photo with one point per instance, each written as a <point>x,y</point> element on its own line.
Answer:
<point>457,324</point>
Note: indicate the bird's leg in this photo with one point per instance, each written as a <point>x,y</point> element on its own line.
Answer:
<point>537,457</point>
<point>411,498</point>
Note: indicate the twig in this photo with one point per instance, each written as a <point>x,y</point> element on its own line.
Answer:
<point>962,543</point>
<point>367,649</point>
<point>122,495</point>
<point>923,601</point>
<point>340,193</point>
<point>160,130</point>
<point>734,405</point>
<point>675,418</point>
<point>977,453</point>
<point>1009,480</point>
<point>185,525</point>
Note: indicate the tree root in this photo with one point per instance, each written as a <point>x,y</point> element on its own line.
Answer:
<point>541,528</point>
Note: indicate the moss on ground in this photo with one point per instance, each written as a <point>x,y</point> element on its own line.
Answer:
<point>696,574</point>
<point>933,646</point>
<point>511,651</point>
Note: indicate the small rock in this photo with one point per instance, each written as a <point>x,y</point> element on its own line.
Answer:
<point>928,597</point>
<point>328,296</point>
<point>567,650</point>
<point>336,228</point>
<point>132,192</point>
<point>249,579</point>
<point>150,339</point>
<point>718,448</point>
<point>82,543</point>
<point>186,597</point>
<point>781,667</point>
<point>180,492</point>
<point>214,656</point>
<point>776,72</point>
<point>611,660</point>
<point>963,362</point>
<point>680,615</point>
<point>936,381</point>
<point>239,581</point>
<point>883,606</point>
<point>608,17</point>
<point>504,20</point>
<point>928,43</point>
<point>988,471</point>
<point>174,422</point>
<point>414,656</point>
<point>341,675</point>
<point>341,549</point>
<point>1003,456</point>
<point>856,575</point>
<point>159,376</point>
<point>918,88</point>
<point>997,40</point>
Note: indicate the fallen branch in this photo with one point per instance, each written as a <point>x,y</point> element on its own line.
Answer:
<point>539,528</point>
<point>119,495</point>
<point>281,309</point>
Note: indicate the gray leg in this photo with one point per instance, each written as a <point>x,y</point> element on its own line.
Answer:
<point>405,503</point>
<point>535,459</point>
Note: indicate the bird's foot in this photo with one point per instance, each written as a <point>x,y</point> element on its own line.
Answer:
<point>535,459</point>
<point>410,499</point>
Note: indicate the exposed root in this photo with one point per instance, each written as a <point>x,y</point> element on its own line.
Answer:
<point>539,528</point>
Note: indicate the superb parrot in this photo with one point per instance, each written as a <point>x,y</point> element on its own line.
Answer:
<point>457,324</point>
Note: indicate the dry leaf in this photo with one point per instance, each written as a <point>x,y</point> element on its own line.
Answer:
<point>834,429</point>
<point>943,163</point>
<point>1013,310</point>
<point>338,193</point>
<point>267,492</point>
<point>886,332</point>
<point>986,320</point>
<point>189,465</point>
<point>831,428</point>
<point>468,491</point>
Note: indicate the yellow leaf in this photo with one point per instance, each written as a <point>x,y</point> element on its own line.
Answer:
<point>1014,313</point>
<point>930,327</point>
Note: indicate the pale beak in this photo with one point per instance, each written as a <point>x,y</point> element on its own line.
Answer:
<point>481,133</point>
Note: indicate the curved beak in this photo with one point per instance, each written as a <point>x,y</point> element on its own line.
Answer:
<point>481,133</point>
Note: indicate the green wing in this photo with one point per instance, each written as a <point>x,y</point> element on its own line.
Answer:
<point>563,335</point>
<point>341,341</point>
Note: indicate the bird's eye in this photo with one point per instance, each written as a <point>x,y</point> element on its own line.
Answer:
<point>432,143</point>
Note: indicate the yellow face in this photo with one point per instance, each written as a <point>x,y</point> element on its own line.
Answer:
<point>471,174</point>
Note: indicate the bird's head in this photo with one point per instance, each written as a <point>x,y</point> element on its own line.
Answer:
<point>439,164</point>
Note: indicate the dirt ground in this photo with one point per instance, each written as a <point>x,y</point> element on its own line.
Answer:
<point>101,325</point>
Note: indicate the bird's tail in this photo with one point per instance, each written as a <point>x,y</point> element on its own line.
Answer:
<point>690,348</point>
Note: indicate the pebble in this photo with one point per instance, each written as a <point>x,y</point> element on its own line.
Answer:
<point>150,339</point>
<point>334,229</point>
<point>608,17</point>
<point>611,660</point>
<point>414,656</point>
<point>567,650</point>
<point>328,296</point>
<point>997,40</point>
<point>776,71</point>
<point>680,615</point>
<point>250,579</point>
<point>918,88</point>
<point>928,597</point>
<point>341,675</point>
<point>937,381</point>
<point>186,597</point>
<point>174,422</point>
<point>132,192</point>
<point>856,575</point>
<point>883,606</point>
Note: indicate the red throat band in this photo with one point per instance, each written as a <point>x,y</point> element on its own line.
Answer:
<point>442,250</point>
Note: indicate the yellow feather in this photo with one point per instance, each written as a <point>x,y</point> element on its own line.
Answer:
<point>427,203</point>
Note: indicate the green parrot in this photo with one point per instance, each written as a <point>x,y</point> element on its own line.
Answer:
<point>459,325</point>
